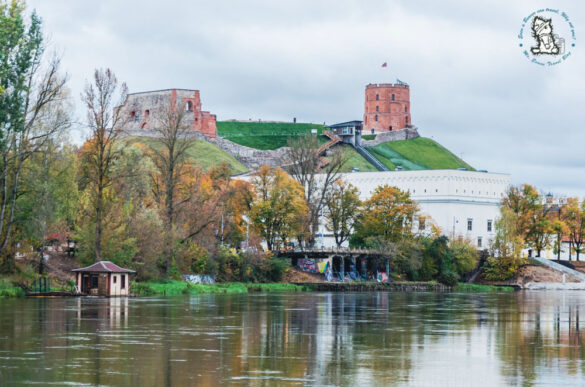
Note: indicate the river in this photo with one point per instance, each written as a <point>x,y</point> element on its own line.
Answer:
<point>484,339</point>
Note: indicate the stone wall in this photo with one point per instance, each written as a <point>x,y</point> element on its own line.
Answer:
<point>250,157</point>
<point>406,134</point>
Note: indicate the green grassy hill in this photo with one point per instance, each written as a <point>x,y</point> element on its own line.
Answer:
<point>263,135</point>
<point>201,153</point>
<point>415,154</point>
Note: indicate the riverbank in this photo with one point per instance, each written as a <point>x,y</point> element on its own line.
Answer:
<point>8,291</point>
<point>177,288</point>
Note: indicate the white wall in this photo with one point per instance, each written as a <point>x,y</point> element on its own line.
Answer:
<point>449,197</point>
<point>116,285</point>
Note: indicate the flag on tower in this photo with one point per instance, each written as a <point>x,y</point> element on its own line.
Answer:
<point>385,64</point>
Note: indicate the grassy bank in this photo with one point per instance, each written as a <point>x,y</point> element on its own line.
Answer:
<point>264,135</point>
<point>7,290</point>
<point>475,288</point>
<point>201,153</point>
<point>177,288</point>
<point>416,154</point>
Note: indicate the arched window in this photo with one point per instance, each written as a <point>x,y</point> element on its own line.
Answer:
<point>406,120</point>
<point>189,106</point>
<point>132,115</point>
<point>392,97</point>
<point>147,113</point>
<point>406,109</point>
<point>377,108</point>
<point>376,117</point>
<point>377,97</point>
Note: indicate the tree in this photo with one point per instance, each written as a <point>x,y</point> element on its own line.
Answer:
<point>31,91</point>
<point>278,203</point>
<point>305,167</point>
<point>105,122</point>
<point>531,215</point>
<point>169,153</point>
<point>389,213</point>
<point>342,204</point>
<point>574,218</point>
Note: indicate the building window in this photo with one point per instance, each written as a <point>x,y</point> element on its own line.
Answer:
<point>489,225</point>
<point>392,97</point>
<point>123,285</point>
<point>478,241</point>
<point>390,127</point>
<point>133,115</point>
<point>189,106</point>
<point>376,118</point>
<point>146,113</point>
<point>115,278</point>
<point>377,97</point>
<point>405,110</point>
<point>406,120</point>
<point>377,108</point>
<point>469,224</point>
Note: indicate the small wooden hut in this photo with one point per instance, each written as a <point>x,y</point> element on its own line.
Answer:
<point>103,278</point>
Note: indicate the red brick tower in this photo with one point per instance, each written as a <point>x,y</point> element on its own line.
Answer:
<point>387,107</point>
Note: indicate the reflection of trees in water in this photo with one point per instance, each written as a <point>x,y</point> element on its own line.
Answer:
<point>541,329</point>
<point>322,338</point>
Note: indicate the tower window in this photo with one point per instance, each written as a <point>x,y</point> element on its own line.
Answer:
<point>377,97</point>
<point>377,108</point>
<point>376,117</point>
<point>392,97</point>
<point>146,113</point>
<point>406,120</point>
<point>189,106</point>
<point>405,109</point>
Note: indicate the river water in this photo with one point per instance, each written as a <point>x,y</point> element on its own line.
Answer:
<point>521,338</point>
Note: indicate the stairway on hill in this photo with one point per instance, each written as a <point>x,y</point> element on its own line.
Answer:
<point>368,156</point>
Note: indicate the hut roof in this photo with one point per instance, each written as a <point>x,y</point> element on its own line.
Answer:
<point>104,267</point>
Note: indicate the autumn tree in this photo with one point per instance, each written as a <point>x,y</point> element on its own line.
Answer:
<point>388,214</point>
<point>531,215</point>
<point>32,90</point>
<point>342,204</point>
<point>305,166</point>
<point>278,201</point>
<point>169,153</point>
<point>573,215</point>
<point>105,122</point>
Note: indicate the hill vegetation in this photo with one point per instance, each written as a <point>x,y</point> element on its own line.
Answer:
<point>201,153</point>
<point>416,154</point>
<point>264,135</point>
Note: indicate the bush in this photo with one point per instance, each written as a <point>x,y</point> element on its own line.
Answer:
<point>502,268</point>
<point>449,278</point>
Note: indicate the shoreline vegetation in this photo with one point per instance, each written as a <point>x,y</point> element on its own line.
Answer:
<point>171,288</point>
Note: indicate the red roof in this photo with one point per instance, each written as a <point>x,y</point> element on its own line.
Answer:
<point>104,267</point>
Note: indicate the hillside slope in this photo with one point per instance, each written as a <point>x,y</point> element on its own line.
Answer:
<point>263,135</point>
<point>416,154</point>
<point>201,153</point>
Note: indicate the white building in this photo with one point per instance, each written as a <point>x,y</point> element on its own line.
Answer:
<point>461,203</point>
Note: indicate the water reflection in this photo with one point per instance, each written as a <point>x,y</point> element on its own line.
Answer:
<point>523,338</point>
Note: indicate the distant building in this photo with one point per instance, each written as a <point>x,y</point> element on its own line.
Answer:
<point>350,132</point>
<point>387,107</point>
<point>140,109</point>
<point>103,278</point>
<point>461,203</point>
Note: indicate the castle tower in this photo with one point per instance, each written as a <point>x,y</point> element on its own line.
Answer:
<point>387,107</point>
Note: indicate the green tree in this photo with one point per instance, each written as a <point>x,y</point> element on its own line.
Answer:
<point>31,92</point>
<point>342,205</point>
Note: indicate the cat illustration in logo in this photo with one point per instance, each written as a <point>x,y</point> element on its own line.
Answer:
<point>542,30</point>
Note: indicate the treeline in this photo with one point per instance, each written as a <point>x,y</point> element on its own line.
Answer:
<point>148,207</point>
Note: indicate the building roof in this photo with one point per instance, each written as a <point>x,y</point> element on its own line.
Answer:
<point>348,123</point>
<point>104,267</point>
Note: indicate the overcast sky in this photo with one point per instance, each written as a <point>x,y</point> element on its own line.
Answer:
<point>472,89</point>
